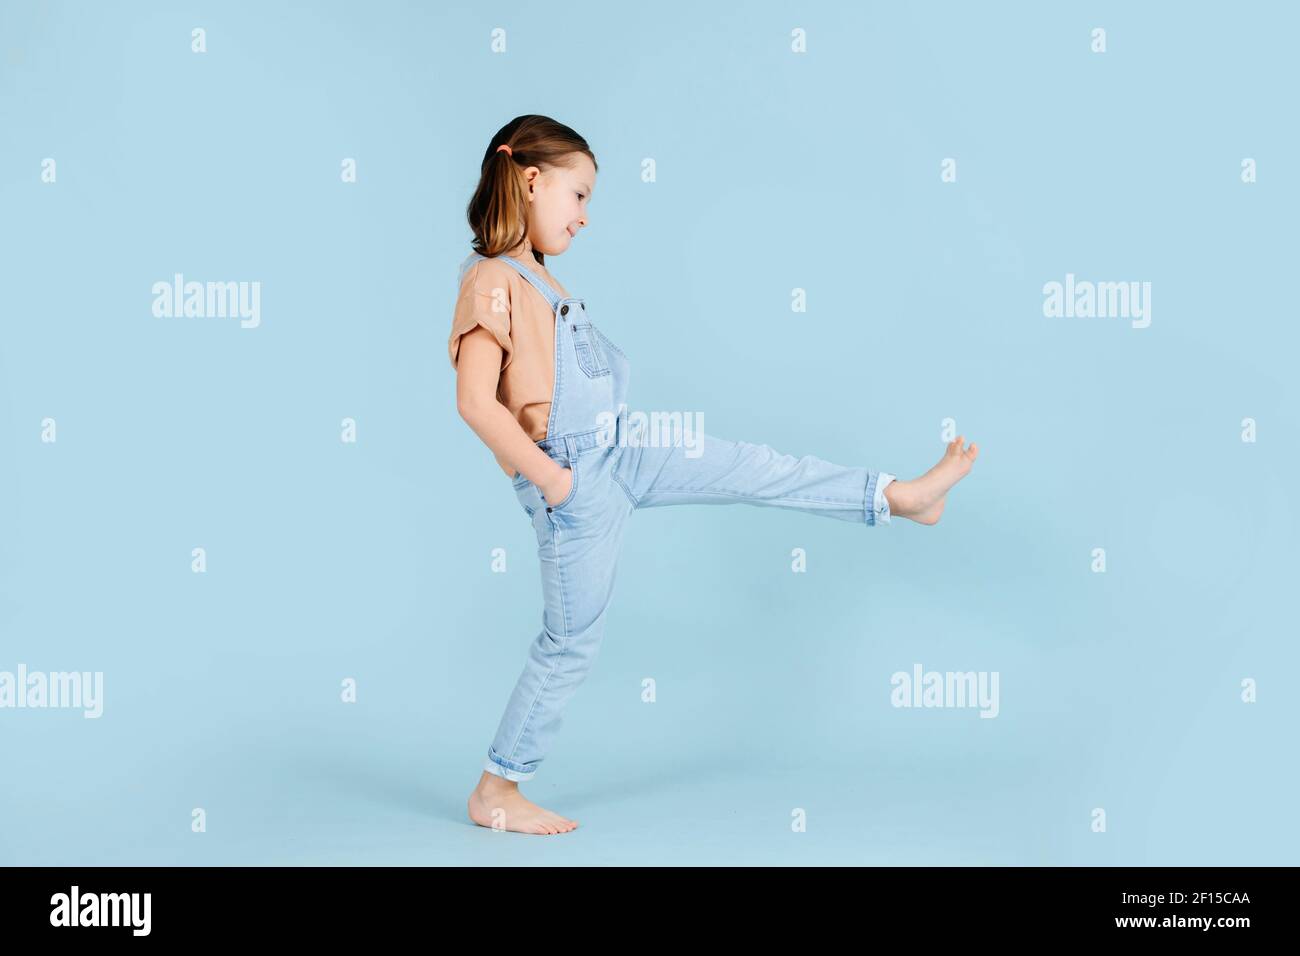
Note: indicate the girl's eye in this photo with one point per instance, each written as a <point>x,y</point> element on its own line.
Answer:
<point>581,196</point>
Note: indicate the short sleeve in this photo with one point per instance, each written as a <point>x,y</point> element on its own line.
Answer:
<point>484,300</point>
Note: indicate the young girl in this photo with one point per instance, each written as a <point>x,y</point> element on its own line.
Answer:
<point>540,385</point>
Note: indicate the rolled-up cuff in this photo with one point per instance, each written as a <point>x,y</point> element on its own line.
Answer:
<point>878,509</point>
<point>492,766</point>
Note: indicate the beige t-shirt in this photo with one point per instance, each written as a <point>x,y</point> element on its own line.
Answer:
<point>497,297</point>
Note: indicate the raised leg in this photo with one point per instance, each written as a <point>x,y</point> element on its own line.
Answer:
<point>721,471</point>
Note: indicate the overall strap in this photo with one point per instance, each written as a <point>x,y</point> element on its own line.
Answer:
<point>552,297</point>
<point>540,284</point>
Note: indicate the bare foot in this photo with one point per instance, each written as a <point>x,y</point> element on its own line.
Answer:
<point>498,804</point>
<point>922,499</point>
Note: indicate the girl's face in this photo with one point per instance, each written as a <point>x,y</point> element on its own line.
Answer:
<point>558,199</point>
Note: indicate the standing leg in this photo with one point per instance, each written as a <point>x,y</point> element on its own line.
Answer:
<point>578,547</point>
<point>578,544</point>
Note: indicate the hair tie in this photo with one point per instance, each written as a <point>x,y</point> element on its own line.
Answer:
<point>509,151</point>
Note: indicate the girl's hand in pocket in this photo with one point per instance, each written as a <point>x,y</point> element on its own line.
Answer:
<point>558,491</point>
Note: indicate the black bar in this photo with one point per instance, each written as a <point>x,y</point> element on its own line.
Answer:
<point>334,904</point>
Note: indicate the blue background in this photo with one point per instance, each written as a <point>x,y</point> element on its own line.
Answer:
<point>775,171</point>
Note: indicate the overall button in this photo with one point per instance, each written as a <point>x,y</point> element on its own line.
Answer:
<point>564,310</point>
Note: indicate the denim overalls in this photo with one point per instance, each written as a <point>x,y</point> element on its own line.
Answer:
<point>618,468</point>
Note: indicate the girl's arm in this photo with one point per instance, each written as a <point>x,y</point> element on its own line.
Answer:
<point>478,371</point>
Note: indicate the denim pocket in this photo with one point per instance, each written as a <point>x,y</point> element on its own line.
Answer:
<point>573,490</point>
<point>591,357</point>
<point>531,498</point>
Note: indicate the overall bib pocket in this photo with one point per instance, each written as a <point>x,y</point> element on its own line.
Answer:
<point>590,354</point>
